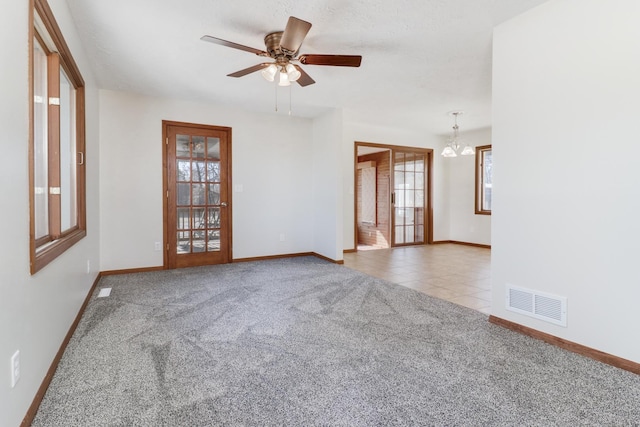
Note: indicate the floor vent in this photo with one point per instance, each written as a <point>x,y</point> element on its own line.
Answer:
<point>550,308</point>
<point>104,292</point>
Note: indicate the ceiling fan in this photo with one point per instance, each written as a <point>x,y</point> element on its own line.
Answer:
<point>283,46</point>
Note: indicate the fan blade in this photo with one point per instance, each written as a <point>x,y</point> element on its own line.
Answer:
<point>234,45</point>
<point>335,60</point>
<point>304,79</point>
<point>293,35</point>
<point>248,70</point>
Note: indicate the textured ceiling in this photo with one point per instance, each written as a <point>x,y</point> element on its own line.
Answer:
<point>421,58</point>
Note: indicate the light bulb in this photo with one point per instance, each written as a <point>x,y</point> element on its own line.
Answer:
<point>293,73</point>
<point>269,73</point>
<point>284,79</point>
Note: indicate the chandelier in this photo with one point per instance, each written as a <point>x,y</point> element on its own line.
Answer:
<point>453,145</point>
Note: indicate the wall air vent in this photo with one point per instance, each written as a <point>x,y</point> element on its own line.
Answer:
<point>540,305</point>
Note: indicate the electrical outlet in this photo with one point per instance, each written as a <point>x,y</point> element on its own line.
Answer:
<point>15,368</point>
<point>88,266</point>
<point>158,246</point>
<point>282,237</point>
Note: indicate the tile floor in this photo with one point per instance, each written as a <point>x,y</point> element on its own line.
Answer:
<point>456,273</point>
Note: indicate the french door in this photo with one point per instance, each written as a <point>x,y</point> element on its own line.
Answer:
<point>409,197</point>
<point>197,182</point>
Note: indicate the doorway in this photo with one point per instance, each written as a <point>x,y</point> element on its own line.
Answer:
<point>392,196</point>
<point>197,185</point>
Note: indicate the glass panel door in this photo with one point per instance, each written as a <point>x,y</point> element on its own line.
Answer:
<point>197,197</point>
<point>408,198</point>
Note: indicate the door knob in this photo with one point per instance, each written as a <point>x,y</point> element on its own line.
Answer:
<point>223,204</point>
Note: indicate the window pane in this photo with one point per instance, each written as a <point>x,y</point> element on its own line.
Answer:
<point>419,201</point>
<point>214,218</point>
<point>183,219</point>
<point>419,176</point>
<point>198,172</point>
<point>399,180</point>
<point>367,198</point>
<point>486,200</point>
<point>40,173</point>
<point>409,181</point>
<point>197,194</point>
<point>409,216</point>
<point>418,217</point>
<point>67,153</point>
<point>409,238</point>
<point>400,214</point>
<point>182,145</point>
<point>184,242</point>
<point>213,171</point>
<point>214,194</point>
<point>184,195</point>
<point>198,147</point>
<point>409,198</point>
<point>213,148</point>
<point>409,163</point>
<point>487,181</point>
<point>183,170</point>
<point>198,242</point>
<point>198,218</point>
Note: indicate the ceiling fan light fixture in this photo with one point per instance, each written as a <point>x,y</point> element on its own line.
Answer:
<point>284,79</point>
<point>269,73</point>
<point>292,73</point>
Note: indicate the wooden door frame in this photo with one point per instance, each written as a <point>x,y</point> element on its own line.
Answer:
<point>428,211</point>
<point>165,185</point>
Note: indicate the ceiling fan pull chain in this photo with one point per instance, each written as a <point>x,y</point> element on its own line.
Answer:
<point>276,86</point>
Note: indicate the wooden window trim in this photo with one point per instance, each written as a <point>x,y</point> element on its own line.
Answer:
<point>53,145</point>
<point>479,180</point>
<point>47,248</point>
<point>49,21</point>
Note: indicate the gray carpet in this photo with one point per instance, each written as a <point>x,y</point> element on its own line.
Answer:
<point>302,342</point>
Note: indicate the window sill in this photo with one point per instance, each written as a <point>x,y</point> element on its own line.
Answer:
<point>43,256</point>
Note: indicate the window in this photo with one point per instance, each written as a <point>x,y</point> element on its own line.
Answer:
<point>56,149</point>
<point>368,200</point>
<point>484,166</point>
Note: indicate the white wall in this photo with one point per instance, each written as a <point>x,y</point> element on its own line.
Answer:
<point>465,225</point>
<point>566,87</point>
<point>36,311</point>
<point>327,185</point>
<point>272,158</point>
<point>367,132</point>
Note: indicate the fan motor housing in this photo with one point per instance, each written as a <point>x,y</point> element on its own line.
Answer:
<point>272,43</point>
